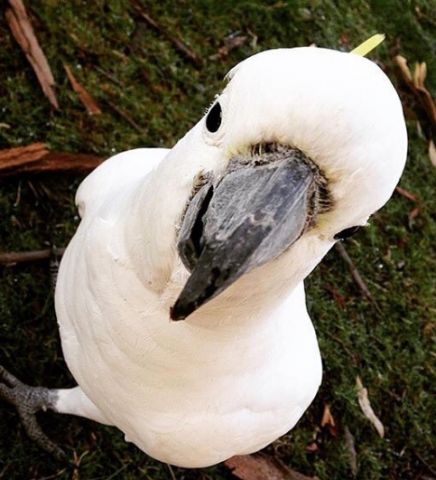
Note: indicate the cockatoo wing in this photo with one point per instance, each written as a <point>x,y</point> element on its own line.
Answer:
<point>114,175</point>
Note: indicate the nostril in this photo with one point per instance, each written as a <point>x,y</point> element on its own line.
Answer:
<point>190,243</point>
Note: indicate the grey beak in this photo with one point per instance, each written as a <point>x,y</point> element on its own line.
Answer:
<point>249,217</point>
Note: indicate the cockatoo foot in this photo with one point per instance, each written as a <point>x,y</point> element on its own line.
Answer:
<point>29,400</point>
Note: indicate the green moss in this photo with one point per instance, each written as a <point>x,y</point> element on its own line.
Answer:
<point>123,62</point>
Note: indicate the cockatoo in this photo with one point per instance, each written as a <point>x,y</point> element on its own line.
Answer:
<point>180,298</point>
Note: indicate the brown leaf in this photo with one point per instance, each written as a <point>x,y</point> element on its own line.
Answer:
<point>365,405</point>
<point>419,74</point>
<point>404,68</point>
<point>22,30</point>
<point>14,157</point>
<point>416,84</point>
<point>261,467</point>
<point>328,421</point>
<point>412,215</point>
<point>89,103</point>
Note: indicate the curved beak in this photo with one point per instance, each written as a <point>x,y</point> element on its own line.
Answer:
<point>249,217</point>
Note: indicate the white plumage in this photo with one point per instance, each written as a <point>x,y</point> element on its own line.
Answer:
<point>241,370</point>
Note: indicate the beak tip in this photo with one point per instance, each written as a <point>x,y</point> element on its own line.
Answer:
<point>175,314</point>
<point>180,311</point>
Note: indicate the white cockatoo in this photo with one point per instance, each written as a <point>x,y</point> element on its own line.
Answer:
<point>180,298</point>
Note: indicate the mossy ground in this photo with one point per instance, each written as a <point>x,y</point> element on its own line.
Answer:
<point>390,349</point>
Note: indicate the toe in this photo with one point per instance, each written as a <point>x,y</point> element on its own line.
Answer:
<point>8,378</point>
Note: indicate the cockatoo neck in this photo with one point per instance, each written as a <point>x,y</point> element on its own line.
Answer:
<point>154,209</point>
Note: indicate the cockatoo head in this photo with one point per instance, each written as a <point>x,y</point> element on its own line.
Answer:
<point>303,145</point>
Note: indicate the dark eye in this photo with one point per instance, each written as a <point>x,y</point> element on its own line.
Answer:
<point>213,119</point>
<point>346,233</point>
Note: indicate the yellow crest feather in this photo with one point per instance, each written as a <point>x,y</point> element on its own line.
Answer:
<point>368,45</point>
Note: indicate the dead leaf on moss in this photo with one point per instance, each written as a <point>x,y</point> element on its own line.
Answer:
<point>84,96</point>
<point>328,421</point>
<point>406,194</point>
<point>261,467</point>
<point>340,300</point>
<point>416,85</point>
<point>420,74</point>
<point>412,216</point>
<point>365,405</point>
<point>352,455</point>
<point>230,43</point>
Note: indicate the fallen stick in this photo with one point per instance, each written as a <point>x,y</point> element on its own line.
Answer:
<point>13,258</point>
<point>109,76</point>
<point>126,117</point>
<point>353,270</point>
<point>179,45</point>
<point>14,157</point>
<point>64,162</point>
<point>36,158</point>
<point>22,30</point>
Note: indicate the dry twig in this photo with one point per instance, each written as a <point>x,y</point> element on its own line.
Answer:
<point>354,272</point>
<point>365,405</point>
<point>22,30</point>
<point>406,194</point>
<point>178,44</point>
<point>126,117</point>
<point>13,258</point>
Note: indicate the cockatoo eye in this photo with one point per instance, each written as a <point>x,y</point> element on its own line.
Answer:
<point>348,232</point>
<point>213,119</point>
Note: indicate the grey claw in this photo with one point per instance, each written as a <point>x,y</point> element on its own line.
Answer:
<point>29,400</point>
